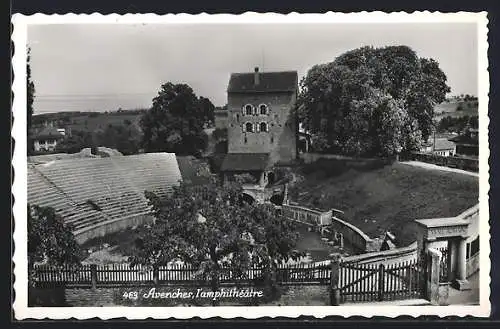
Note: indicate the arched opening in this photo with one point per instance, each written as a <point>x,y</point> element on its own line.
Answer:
<point>277,199</point>
<point>270,178</point>
<point>263,127</point>
<point>247,198</point>
<point>249,127</point>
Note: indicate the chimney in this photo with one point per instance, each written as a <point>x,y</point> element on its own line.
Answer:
<point>256,76</point>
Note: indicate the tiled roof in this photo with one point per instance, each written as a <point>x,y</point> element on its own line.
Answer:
<point>285,81</point>
<point>48,132</point>
<point>443,144</point>
<point>245,162</point>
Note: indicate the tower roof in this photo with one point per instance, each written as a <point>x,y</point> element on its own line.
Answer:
<point>285,81</point>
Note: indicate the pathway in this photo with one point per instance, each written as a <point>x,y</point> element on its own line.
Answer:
<point>436,167</point>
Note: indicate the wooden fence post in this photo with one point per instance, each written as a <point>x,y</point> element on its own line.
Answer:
<point>93,275</point>
<point>334,281</point>
<point>156,275</point>
<point>381,283</point>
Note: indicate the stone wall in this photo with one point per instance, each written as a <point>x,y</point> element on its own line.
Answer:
<point>453,162</point>
<point>387,257</point>
<point>356,237</point>
<point>315,217</point>
<point>313,157</point>
<point>112,226</point>
<point>472,264</point>
<point>281,138</point>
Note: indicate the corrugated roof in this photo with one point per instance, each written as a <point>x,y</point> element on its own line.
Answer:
<point>285,81</point>
<point>245,162</point>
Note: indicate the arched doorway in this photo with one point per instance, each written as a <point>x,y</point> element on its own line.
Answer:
<point>271,178</point>
<point>277,199</point>
<point>247,198</point>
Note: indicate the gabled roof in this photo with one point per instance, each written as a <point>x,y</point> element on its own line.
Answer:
<point>245,162</point>
<point>285,81</point>
<point>465,139</point>
<point>48,132</point>
<point>443,144</point>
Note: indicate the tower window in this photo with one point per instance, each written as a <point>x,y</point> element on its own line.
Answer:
<point>248,109</point>
<point>263,109</point>
<point>263,127</point>
<point>237,118</point>
<point>245,139</point>
<point>272,139</point>
<point>249,127</point>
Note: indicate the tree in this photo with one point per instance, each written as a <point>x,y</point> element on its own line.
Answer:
<point>175,122</point>
<point>125,139</point>
<point>209,227</point>
<point>30,94</point>
<point>371,101</point>
<point>207,109</point>
<point>49,240</point>
<point>75,142</point>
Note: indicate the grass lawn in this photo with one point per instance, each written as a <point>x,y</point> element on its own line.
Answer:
<point>377,197</point>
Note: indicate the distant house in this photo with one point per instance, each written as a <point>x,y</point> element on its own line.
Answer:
<point>47,138</point>
<point>467,143</point>
<point>440,146</point>
<point>262,130</point>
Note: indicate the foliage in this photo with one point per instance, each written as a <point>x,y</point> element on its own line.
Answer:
<point>49,239</point>
<point>75,142</point>
<point>176,120</point>
<point>124,138</point>
<point>210,226</point>
<point>30,94</point>
<point>371,101</point>
<point>458,125</point>
<point>220,134</point>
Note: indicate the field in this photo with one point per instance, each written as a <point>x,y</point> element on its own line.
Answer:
<point>377,197</point>
<point>450,109</point>
<point>89,121</point>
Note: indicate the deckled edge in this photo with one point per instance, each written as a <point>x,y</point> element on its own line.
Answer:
<point>19,38</point>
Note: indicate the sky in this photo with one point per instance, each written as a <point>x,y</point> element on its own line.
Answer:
<point>106,67</point>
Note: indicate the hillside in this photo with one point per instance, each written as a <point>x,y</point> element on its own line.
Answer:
<point>88,121</point>
<point>469,108</point>
<point>378,197</point>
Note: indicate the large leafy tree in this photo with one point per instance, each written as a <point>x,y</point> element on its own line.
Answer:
<point>176,120</point>
<point>371,101</point>
<point>210,227</point>
<point>30,94</point>
<point>75,142</point>
<point>124,138</point>
<point>49,240</point>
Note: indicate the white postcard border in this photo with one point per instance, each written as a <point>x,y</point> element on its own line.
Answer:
<point>19,187</point>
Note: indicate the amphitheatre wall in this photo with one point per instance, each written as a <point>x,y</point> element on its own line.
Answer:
<point>368,247</point>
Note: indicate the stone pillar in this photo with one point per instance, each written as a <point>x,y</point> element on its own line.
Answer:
<point>437,294</point>
<point>461,282</point>
<point>452,259</point>
<point>262,180</point>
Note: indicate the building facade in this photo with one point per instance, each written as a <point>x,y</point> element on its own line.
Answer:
<point>47,139</point>
<point>260,118</point>
<point>262,128</point>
